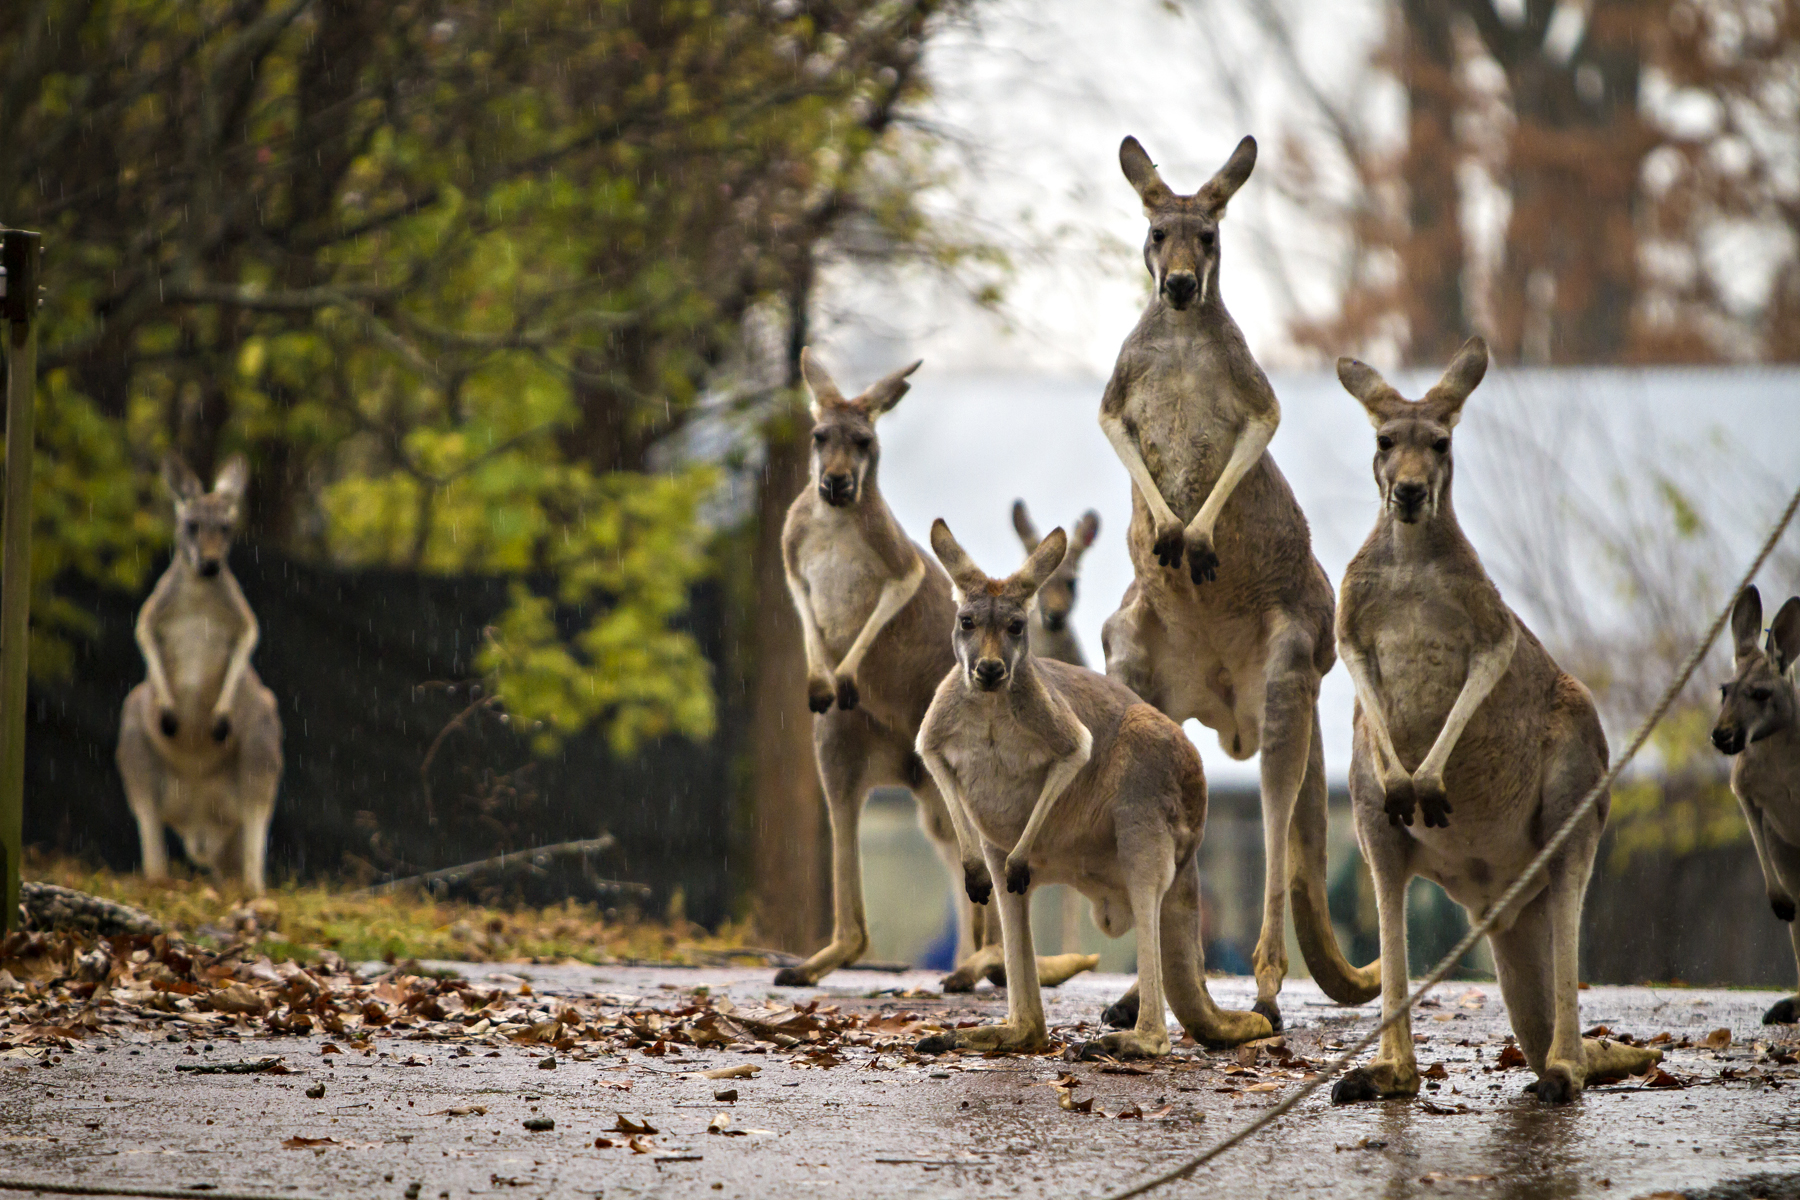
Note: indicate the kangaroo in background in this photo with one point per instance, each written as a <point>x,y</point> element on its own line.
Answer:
<point>1240,639</point>
<point>1051,634</point>
<point>1056,774</point>
<point>1457,701</point>
<point>200,738</point>
<point>1759,728</point>
<point>873,612</point>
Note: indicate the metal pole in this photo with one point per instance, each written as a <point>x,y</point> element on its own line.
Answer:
<point>18,305</point>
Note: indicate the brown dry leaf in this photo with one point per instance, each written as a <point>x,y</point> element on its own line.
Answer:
<point>461,1110</point>
<point>1435,1071</point>
<point>1263,1087</point>
<point>743,1071</point>
<point>1473,998</point>
<point>1158,1114</point>
<point>1511,1057</point>
<point>641,1145</point>
<point>302,1143</point>
<point>606,1143</point>
<point>1661,1039</point>
<point>237,999</point>
<point>1131,1113</point>
<point>1660,1078</point>
<point>1121,1068</point>
<point>1718,1039</point>
<point>719,1125</point>
<point>627,1125</point>
<point>1065,1099</point>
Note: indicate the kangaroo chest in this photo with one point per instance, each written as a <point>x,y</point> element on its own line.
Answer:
<point>1767,775</point>
<point>844,577</point>
<point>1001,766</point>
<point>1186,417</point>
<point>1419,642</point>
<point>195,633</point>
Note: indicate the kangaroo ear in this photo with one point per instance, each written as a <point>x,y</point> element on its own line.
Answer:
<point>1142,173</point>
<point>885,392</point>
<point>1746,622</point>
<point>1042,564</point>
<point>964,574</point>
<point>1784,635</point>
<point>180,479</point>
<point>819,383</point>
<point>1087,528</point>
<point>1460,378</point>
<point>1222,187</point>
<point>1028,534</point>
<point>233,478</point>
<point>1366,384</point>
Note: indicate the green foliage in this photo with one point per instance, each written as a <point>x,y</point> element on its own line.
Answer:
<point>458,274</point>
<point>1683,806</point>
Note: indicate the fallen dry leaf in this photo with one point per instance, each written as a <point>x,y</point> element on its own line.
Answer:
<point>1065,1099</point>
<point>1511,1057</point>
<point>1660,1078</point>
<point>627,1125</point>
<point>743,1071</point>
<point>302,1143</point>
<point>461,1110</point>
<point>237,999</point>
<point>1263,1087</point>
<point>1435,1071</point>
<point>1718,1039</point>
<point>1130,1113</point>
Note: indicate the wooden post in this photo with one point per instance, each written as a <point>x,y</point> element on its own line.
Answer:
<point>18,307</point>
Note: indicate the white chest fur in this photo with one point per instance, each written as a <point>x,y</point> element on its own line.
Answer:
<point>196,632</point>
<point>1000,766</point>
<point>844,577</point>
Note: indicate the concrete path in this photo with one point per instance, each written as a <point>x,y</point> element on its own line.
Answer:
<point>115,1110</point>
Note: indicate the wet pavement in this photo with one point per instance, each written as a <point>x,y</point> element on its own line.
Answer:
<point>115,1110</point>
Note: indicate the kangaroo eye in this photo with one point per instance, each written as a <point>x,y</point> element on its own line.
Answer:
<point>1384,442</point>
<point>1157,236</point>
<point>819,437</point>
<point>1208,237</point>
<point>1760,695</point>
<point>1015,627</point>
<point>1071,589</point>
<point>967,623</point>
<point>193,527</point>
<point>862,442</point>
<point>1442,445</point>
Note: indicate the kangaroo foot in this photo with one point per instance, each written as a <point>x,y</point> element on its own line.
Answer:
<point>1783,1012</point>
<point>1123,1012</point>
<point>818,966</point>
<point>1004,1036</point>
<point>1609,1061</point>
<point>973,969</point>
<point>1127,1043</point>
<point>1232,1028</point>
<point>1377,1081</point>
<point>1558,1084</point>
<point>1267,1010</point>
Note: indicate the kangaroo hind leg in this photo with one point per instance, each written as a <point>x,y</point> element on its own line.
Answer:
<point>1184,970</point>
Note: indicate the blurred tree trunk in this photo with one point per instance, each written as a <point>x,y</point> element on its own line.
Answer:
<point>1432,254</point>
<point>791,894</point>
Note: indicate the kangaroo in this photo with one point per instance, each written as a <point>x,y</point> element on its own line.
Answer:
<point>1759,728</point>
<point>1057,774</point>
<point>200,738</point>
<point>873,611</point>
<point>1456,700</point>
<point>1241,638</point>
<point>1051,636</point>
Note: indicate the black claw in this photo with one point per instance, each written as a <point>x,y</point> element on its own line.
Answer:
<point>847,695</point>
<point>819,699</point>
<point>1203,566</point>
<point>1354,1087</point>
<point>1122,1013</point>
<point>168,723</point>
<point>1784,1012</point>
<point>1092,1051</point>
<point>1018,878</point>
<point>1269,1013</point>
<point>1783,906</point>
<point>791,977</point>
<point>1168,550</point>
<point>937,1043</point>
<point>221,729</point>
<point>1401,801</point>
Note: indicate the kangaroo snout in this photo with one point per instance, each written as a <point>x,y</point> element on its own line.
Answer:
<point>990,673</point>
<point>1409,498</point>
<point>209,567</point>
<point>838,490</point>
<point>1729,739</point>
<point>1055,621</point>
<point>1181,287</point>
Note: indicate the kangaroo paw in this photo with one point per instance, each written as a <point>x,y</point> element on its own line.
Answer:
<point>221,728</point>
<point>1783,906</point>
<point>1018,877</point>
<point>977,883</point>
<point>847,695</point>
<point>937,1043</point>
<point>792,977</point>
<point>1267,1010</point>
<point>1122,1013</point>
<point>1168,546</point>
<point>167,722</point>
<point>1400,802</point>
<point>1203,561</point>
<point>1377,1081</point>
<point>1557,1085</point>
<point>820,694</point>
<point>1432,803</point>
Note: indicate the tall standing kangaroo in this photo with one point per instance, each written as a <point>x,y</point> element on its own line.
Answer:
<point>874,614</point>
<point>1240,639</point>
<point>1464,720</point>
<point>1759,727</point>
<point>200,738</point>
<point>1056,774</point>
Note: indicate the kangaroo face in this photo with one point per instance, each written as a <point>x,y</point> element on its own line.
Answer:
<point>1759,701</point>
<point>205,521</point>
<point>1056,599</point>
<point>843,450</point>
<point>1412,466</point>
<point>991,635</point>
<point>1182,248</point>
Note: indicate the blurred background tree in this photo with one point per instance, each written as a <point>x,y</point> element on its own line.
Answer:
<point>484,286</point>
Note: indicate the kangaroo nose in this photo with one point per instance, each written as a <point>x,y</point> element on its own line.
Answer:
<point>1054,621</point>
<point>989,672</point>
<point>838,489</point>
<point>1409,495</point>
<point>1182,287</point>
<point>1728,739</point>
<point>209,567</point>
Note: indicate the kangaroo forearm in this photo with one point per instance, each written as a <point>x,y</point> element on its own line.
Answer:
<point>1249,447</point>
<point>1133,459</point>
<point>894,596</point>
<point>1486,669</point>
<point>968,841</point>
<point>1056,782</point>
<point>153,663</point>
<point>234,670</point>
<point>818,659</point>
<point>1387,758</point>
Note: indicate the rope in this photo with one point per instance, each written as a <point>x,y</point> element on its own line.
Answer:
<point>107,1189</point>
<point>1320,1078</point>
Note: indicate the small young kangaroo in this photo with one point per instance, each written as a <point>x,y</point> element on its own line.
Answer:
<point>1759,727</point>
<point>1056,774</point>
<point>873,611</point>
<point>1240,639</point>
<point>1051,635</point>
<point>200,738</point>
<point>1460,712</point>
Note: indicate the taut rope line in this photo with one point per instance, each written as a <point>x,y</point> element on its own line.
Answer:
<point>1512,893</point>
